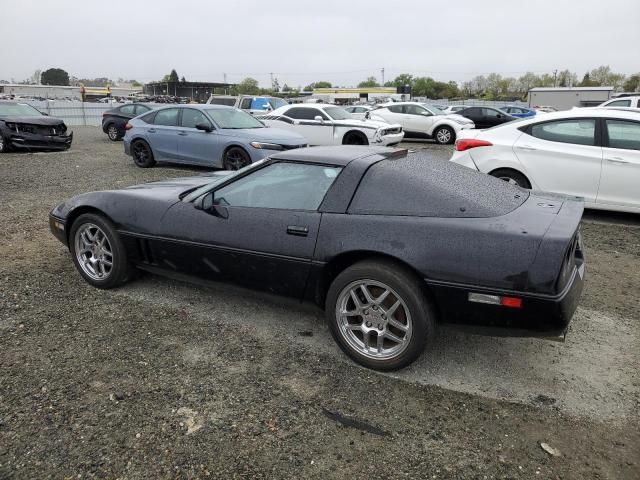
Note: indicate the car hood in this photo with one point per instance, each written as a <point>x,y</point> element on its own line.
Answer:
<point>458,118</point>
<point>365,122</point>
<point>34,120</point>
<point>272,135</point>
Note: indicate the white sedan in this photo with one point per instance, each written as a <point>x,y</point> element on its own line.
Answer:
<point>331,125</point>
<point>420,120</point>
<point>590,153</point>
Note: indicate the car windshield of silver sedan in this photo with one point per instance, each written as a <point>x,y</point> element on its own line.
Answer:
<point>338,113</point>
<point>233,119</point>
<point>18,110</point>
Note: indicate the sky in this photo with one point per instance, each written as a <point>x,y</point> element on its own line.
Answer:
<point>300,42</point>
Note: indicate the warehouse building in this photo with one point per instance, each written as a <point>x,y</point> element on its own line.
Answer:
<point>565,98</point>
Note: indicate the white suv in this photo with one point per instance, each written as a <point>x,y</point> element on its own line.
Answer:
<point>420,120</point>
<point>629,102</point>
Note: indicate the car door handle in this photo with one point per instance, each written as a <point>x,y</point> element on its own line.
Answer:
<point>528,148</point>
<point>297,230</point>
<point>618,160</point>
<point>152,130</point>
<point>183,134</point>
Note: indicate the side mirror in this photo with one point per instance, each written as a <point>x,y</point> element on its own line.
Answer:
<point>204,127</point>
<point>206,204</point>
<point>318,118</point>
<point>500,115</point>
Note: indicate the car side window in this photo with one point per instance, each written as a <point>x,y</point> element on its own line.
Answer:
<point>140,109</point>
<point>168,117</point>
<point>623,134</point>
<point>490,113</point>
<point>474,112</point>
<point>396,108</point>
<point>191,117</point>
<point>128,109</point>
<point>579,131</point>
<point>283,185</point>
<point>246,103</point>
<point>620,103</point>
<point>305,113</point>
<point>416,110</point>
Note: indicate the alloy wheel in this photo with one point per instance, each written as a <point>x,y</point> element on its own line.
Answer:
<point>112,132</point>
<point>1,144</point>
<point>443,135</point>
<point>140,153</point>
<point>93,252</point>
<point>235,159</point>
<point>373,319</point>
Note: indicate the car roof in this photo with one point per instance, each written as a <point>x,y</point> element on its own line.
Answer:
<point>340,155</point>
<point>197,106</point>
<point>631,114</point>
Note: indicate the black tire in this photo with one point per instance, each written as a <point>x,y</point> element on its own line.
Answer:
<point>120,270</point>
<point>142,154</point>
<point>444,135</point>
<point>512,176</point>
<point>404,286</point>
<point>112,133</point>
<point>235,158</point>
<point>355,138</point>
<point>4,145</point>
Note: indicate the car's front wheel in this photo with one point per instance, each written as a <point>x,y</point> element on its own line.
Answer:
<point>444,135</point>
<point>112,133</point>
<point>235,158</point>
<point>98,252</point>
<point>513,177</point>
<point>142,154</point>
<point>4,146</point>
<point>379,315</point>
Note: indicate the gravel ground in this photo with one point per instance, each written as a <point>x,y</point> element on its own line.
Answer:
<point>164,379</point>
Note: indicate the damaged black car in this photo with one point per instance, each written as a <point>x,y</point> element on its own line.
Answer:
<point>23,127</point>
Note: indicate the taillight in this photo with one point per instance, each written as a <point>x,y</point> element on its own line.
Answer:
<point>128,126</point>
<point>463,144</point>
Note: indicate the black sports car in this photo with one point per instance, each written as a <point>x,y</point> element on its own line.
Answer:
<point>25,128</point>
<point>114,120</point>
<point>389,243</point>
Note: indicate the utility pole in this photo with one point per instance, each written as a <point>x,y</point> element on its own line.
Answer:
<point>271,80</point>
<point>555,74</point>
<point>224,75</point>
<point>382,71</point>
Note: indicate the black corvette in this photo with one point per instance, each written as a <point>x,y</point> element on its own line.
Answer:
<point>23,127</point>
<point>389,243</point>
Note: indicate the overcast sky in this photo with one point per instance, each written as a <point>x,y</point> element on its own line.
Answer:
<point>300,41</point>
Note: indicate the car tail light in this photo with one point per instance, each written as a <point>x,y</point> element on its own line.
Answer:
<point>509,302</point>
<point>463,144</point>
<point>128,126</point>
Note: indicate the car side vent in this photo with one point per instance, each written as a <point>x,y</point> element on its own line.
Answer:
<point>145,253</point>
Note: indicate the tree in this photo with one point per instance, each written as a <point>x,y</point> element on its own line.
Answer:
<point>135,83</point>
<point>311,86</point>
<point>55,76</point>
<point>286,88</point>
<point>632,84</point>
<point>248,86</point>
<point>401,80</point>
<point>182,79</point>
<point>370,82</point>
<point>587,82</point>
<point>173,76</point>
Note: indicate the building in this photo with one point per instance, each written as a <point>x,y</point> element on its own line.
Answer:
<point>564,98</point>
<point>197,91</point>
<point>352,95</point>
<point>53,92</point>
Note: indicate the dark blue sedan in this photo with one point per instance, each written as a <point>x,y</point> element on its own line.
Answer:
<point>520,112</point>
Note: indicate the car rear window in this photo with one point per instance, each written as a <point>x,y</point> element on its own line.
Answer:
<point>422,186</point>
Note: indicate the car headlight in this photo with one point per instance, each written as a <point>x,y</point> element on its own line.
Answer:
<point>459,121</point>
<point>266,146</point>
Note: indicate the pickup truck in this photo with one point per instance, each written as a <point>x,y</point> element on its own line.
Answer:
<point>249,103</point>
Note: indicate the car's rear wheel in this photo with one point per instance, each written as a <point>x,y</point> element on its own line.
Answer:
<point>235,158</point>
<point>142,154</point>
<point>4,145</point>
<point>379,315</point>
<point>98,252</point>
<point>513,177</point>
<point>355,138</point>
<point>112,132</point>
<point>444,135</point>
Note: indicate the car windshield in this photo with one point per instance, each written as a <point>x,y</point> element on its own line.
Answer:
<point>337,113</point>
<point>18,110</point>
<point>433,110</point>
<point>277,103</point>
<point>233,118</point>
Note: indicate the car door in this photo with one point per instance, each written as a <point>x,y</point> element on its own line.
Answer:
<point>474,114</point>
<point>562,156</point>
<point>162,134</point>
<point>316,132</point>
<point>259,230</point>
<point>198,146</point>
<point>492,117</point>
<point>620,183</point>
<point>419,119</point>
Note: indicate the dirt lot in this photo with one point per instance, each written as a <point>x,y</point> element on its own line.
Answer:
<point>164,379</point>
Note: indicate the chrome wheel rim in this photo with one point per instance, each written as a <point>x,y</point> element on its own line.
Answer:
<point>443,135</point>
<point>140,153</point>
<point>235,160</point>
<point>112,132</point>
<point>373,319</point>
<point>93,252</point>
<point>1,144</point>
<point>510,180</point>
